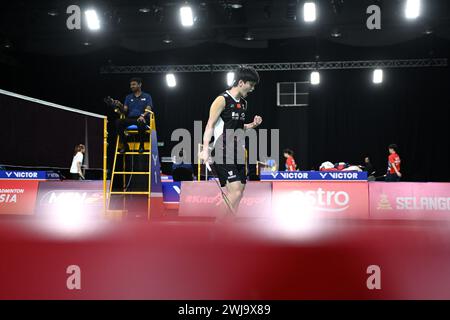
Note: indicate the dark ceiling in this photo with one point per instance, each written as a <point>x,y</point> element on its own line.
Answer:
<point>40,26</point>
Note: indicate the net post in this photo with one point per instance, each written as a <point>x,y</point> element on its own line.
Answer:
<point>105,162</point>
<point>198,162</point>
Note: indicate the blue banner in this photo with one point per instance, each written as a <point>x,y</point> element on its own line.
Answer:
<point>22,175</point>
<point>52,175</point>
<point>156,176</point>
<point>171,190</point>
<point>314,176</point>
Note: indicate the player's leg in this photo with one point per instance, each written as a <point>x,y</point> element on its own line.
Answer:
<point>235,183</point>
<point>221,172</point>
<point>235,192</point>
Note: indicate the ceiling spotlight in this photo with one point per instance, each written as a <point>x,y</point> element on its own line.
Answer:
<point>92,19</point>
<point>248,36</point>
<point>86,43</point>
<point>6,44</point>
<point>309,12</point>
<point>230,78</point>
<point>336,34</point>
<point>235,5</point>
<point>377,76</point>
<point>315,78</point>
<point>167,40</point>
<point>232,4</point>
<point>186,16</point>
<point>144,10</point>
<point>171,80</point>
<point>52,13</point>
<point>428,31</point>
<point>412,9</point>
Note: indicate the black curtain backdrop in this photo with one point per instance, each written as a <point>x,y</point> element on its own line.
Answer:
<point>348,116</point>
<point>37,135</point>
<point>190,101</point>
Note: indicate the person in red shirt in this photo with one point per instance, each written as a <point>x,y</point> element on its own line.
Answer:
<point>393,172</point>
<point>290,162</point>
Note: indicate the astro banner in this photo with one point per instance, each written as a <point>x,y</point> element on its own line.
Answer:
<point>18,196</point>
<point>204,199</point>
<point>405,200</point>
<point>318,199</point>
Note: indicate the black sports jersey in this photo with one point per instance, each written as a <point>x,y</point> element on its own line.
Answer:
<point>231,118</point>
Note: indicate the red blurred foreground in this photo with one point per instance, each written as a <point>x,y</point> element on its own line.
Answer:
<point>246,259</point>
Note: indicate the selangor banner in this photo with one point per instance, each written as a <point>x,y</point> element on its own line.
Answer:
<point>406,200</point>
<point>324,200</point>
<point>204,199</point>
<point>18,196</point>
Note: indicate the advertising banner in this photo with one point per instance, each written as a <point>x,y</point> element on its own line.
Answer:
<point>330,200</point>
<point>313,176</point>
<point>18,196</point>
<point>406,200</point>
<point>70,195</point>
<point>205,199</point>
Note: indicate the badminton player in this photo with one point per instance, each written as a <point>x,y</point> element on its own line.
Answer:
<point>227,114</point>
<point>290,162</point>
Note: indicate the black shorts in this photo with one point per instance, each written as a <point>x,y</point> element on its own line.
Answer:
<point>392,177</point>
<point>75,176</point>
<point>230,173</point>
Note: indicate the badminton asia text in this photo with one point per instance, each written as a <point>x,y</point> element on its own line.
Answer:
<point>226,309</point>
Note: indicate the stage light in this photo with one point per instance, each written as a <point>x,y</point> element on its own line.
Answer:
<point>412,9</point>
<point>428,31</point>
<point>336,34</point>
<point>248,36</point>
<point>167,39</point>
<point>7,44</point>
<point>52,13</point>
<point>171,80</point>
<point>377,76</point>
<point>315,77</point>
<point>230,78</point>
<point>236,5</point>
<point>186,16</point>
<point>92,19</point>
<point>309,12</point>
